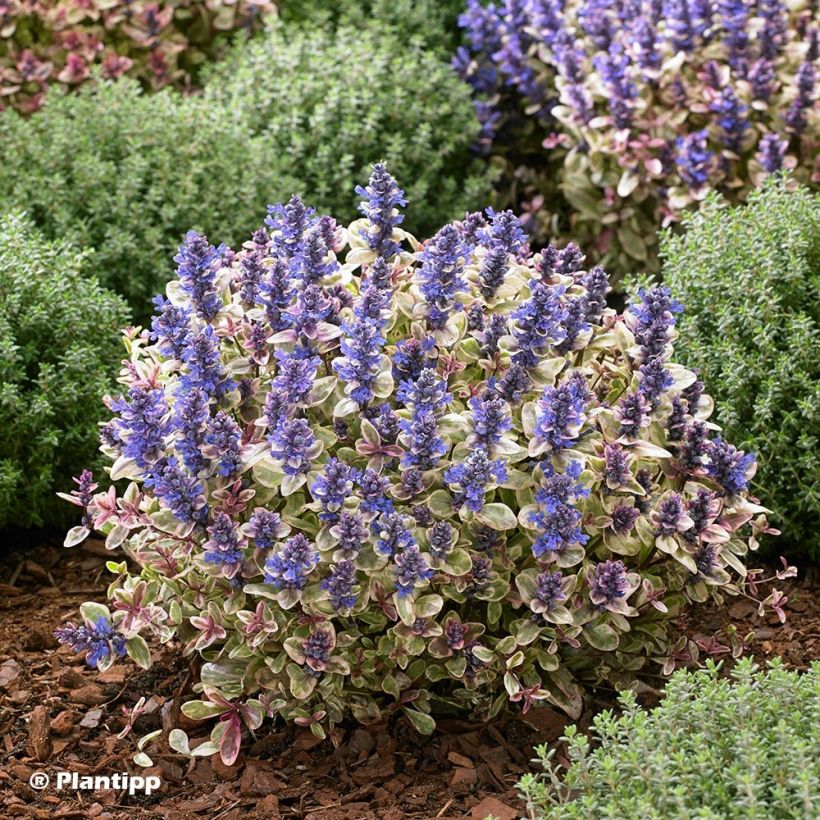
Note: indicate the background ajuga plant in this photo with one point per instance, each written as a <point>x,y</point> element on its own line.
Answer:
<point>59,345</point>
<point>744,746</point>
<point>750,279</point>
<point>369,477</point>
<point>58,42</point>
<point>612,118</point>
<point>329,101</point>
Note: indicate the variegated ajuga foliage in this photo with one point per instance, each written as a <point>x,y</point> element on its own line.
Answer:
<point>369,476</point>
<point>613,118</point>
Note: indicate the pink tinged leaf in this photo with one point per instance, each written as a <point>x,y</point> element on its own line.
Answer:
<point>231,741</point>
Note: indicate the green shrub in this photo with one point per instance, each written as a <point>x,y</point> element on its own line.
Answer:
<point>128,174</point>
<point>59,345</point>
<point>330,102</point>
<point>434,23</point>
<point>714,748</point>
<point>750,280</point>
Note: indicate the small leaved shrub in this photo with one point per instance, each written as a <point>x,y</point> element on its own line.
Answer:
<point>59,345</point>
<point>748,746</point>
<point>329,102</point>
<point>59,42</point>
<point>127,174</point>
<point>614,118</point>
<point>432,22</point>
<point>369,477</point>
<point>750,279</point>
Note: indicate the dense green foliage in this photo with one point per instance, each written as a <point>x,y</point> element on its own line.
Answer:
<point>750,280</point>
<point>329,103</point>
<point>128,174</point>
<point>59,346</point>
<point>432,22</point>
<point>713,748</point>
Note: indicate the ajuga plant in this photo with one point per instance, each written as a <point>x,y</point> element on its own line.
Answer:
<point>45,43</point>
<point>750,277</point>
<point>614,118</point>
<point>717,746</point>
<point>59,346</point>
<point>127,174</point>
<point>329,101</point>
<point>369,477</point>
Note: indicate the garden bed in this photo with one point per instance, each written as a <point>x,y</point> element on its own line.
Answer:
<point>59,715</point>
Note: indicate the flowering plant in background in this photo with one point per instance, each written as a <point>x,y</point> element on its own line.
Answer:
<point>48,42</point>
<point>369,477</point>
<point>614,118</point>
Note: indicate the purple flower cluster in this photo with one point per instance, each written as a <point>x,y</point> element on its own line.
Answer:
<point>332,487</point>
<point>198,263</point>
<point>471,479</point>
<point>425,396</point>
<point>224,546</point>
<point>412,570</point>
<point>539,323</point>
<point>291,443</point>
<point>178,491</point>
<point>730,467</point>
<point>362,344</point>
<point>98,640</point>
<point>142,424</point>
<point>290,566</point>
<point>440,275</point>
<point>394,533</point>
<point>265,528</point>
<point>607,583</point>
<point>558,519</point>
<point>651,317</point>
<point>490,419</point>
<point>561,412</point>
<point>340,584</point>
<point>350,533</point>
<point>382,200</point>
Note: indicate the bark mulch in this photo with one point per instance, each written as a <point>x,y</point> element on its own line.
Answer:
<point>58,715</point>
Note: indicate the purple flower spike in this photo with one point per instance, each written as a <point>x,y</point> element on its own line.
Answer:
<point>382,200</point>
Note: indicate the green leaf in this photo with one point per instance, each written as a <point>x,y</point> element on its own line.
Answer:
<point>602,637</point>
<point>137,649</point>
<point>201,710</point>
<point>422,723</point>
<point>497,516</point>
<point>91,611</point>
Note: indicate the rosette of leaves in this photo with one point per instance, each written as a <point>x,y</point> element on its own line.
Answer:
<point>332,100</point>
<point>59,345</point>
<point>755,733</point>
<point>49,43</point>
<point>371,477</point>
<point>612,119</point>
<point>750,277</point>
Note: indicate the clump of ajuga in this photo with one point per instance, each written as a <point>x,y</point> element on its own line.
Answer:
<point>371,477</point>
<point>637,110</point>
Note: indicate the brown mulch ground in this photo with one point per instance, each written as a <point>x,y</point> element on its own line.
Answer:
<point>56,714</point>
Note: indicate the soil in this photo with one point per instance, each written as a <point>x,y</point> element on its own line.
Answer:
<point>58,715</point>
